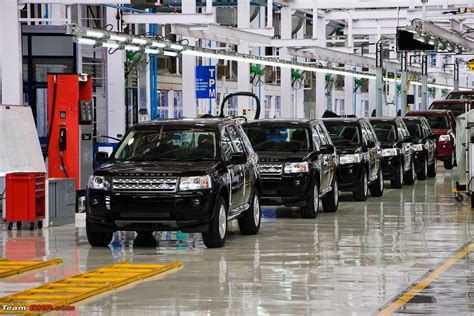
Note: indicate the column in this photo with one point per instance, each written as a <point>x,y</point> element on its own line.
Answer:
<point>287,109</point>
<point>260,23</point>
<point>11,53</point>
<point>171,104</point>
<point>379,79</point>
<point>403,84</point>
<point>189,70</point>
<point>243,68</point>
<point>424,82</point>
<point>319,34</point>
<point>115,90</point>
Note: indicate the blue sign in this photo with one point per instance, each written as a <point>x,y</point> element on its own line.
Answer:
<point>205,82</point>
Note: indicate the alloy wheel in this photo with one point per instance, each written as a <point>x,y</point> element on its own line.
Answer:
<point>222,222</point>
<point>256,210</point>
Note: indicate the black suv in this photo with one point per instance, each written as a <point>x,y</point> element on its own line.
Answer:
<point>398,163</point>
<point>360,167</point>
<point>297,164</point>
<point>189,175</point>
<point>424,146</point>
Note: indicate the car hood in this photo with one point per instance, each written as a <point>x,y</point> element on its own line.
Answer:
<point>159,168</point>
<point>343,150</point>
<point>279,156</point>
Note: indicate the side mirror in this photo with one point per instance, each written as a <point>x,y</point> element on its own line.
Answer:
<point>237,159</point>
<point>327,149</point>
<point>101,157</point>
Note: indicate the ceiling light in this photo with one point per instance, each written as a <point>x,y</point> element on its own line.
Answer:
<point>151,51</point>
<point>176,46</point>
<point>139,41</point>
<point>110,45</point>
<point>132,48</point>
<point>85,41</point>
<point>171,54</point>
<point>118,38</point>
<point>95,34</point>
<point>158,44</point>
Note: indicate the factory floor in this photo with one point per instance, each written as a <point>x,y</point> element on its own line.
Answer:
<point>409,251</point>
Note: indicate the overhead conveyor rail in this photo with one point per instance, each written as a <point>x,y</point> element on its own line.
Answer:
<point>77,288</point>
<point>9,268</point>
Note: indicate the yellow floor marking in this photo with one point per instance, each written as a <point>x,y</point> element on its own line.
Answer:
<point>9,268</point>
<point>420,286</point>
<point>82,286</point>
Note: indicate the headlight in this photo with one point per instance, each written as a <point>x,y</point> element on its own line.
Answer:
<point>346,159</point>
<point>418,147</point>
<point>444,138</point>
<point>195,183</point>
<point>296,167</point>
<point>98,183</point>
<point>389,152</point>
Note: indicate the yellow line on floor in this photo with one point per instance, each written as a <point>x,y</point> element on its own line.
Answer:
<point>420,286</point>
<point>9,268</point>
<point>73,289</point>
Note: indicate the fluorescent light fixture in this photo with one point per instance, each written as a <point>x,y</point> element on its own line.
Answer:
<point>139,41</point>
<point>171,54</point>
<point>110,45</point>
<point>86,41</point>
<point>158,44</point>
<point>117,38</point>
<point>151,51</point>
<point>271,63</point>
<point>95,34</point>
<point>176,46</point>
<point>132,48</point>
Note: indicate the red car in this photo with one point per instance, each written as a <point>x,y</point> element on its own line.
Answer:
<point>443,124</point>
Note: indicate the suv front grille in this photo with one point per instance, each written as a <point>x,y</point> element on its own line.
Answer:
<point>271,169</point>
<point>166,185</point>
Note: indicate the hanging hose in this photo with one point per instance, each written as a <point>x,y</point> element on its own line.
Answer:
<point>62,164</point>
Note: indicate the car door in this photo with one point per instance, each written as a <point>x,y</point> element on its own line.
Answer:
<point>245,175</point>
<point>328,160</point>
<point>407,148</point>
<point>234,171</point>
<point>251,172</point>
<point>378,147</point>
<point>429,142</point>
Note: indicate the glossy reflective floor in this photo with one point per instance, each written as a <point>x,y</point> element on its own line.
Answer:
<point>351,261</point>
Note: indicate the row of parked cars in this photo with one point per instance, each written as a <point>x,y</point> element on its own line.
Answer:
<point>196,175</point>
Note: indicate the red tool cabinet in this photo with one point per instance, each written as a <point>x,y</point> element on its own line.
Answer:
<point>25,198</point>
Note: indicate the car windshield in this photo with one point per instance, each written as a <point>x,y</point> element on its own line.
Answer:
<point>343,134</point>
<point>437,121</point>
<point>385,131</point>
<point>414,127</point>
<point>158,144</point>
<point>457,108</point>
<point>279,138</point>
<point>460,96</point>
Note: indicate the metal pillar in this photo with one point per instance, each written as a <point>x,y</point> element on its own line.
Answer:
<point>424,82</point>
<point>395,97</point>
<point>456,75</point>
<point>285,81</point>
<point>188,77</point>
<point>243,68</point>
<point>403,84</point>
<point>379,79</point>
<point>115,100</point>
<point>319,33</point>
<point>11,56</point>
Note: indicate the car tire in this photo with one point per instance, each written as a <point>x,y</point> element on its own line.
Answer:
<point>97,238</point>
<point>310,210</point>
<point>398,181</point>
<point>423,169</point>
<point>449,164</point>
<point>376,188</point>
<point>410,176</point>
<point>215,237</point>
<point>363,188</point>
<point>249,223</point>
<point>432,169</point>
<point>331,199</point>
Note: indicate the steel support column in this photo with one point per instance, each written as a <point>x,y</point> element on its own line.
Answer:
<point>379,79</point>
<point>456,75</point>
<point>188,77</point>
<point>243,68</point>
<point>287,106</point>
<point>424,82</point>
<point>403,84</point>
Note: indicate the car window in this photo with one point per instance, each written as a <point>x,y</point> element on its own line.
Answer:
<point>226,146</point>
<point>427,128</point>
<point>322,135</point>
<point>404,130</point>
<point>438,121</point>
<point>325,132</point>
<point>414,128</point>
<point>236,139</point>
<point>248,145</point>
<point>279,138</point>
<point>365,134</point>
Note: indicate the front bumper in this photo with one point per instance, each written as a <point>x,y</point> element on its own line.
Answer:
<point>186,211</point>
<point>285,189</point>
<point>444,150</point>
<point>349,176</point>
<point>390,167</point>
